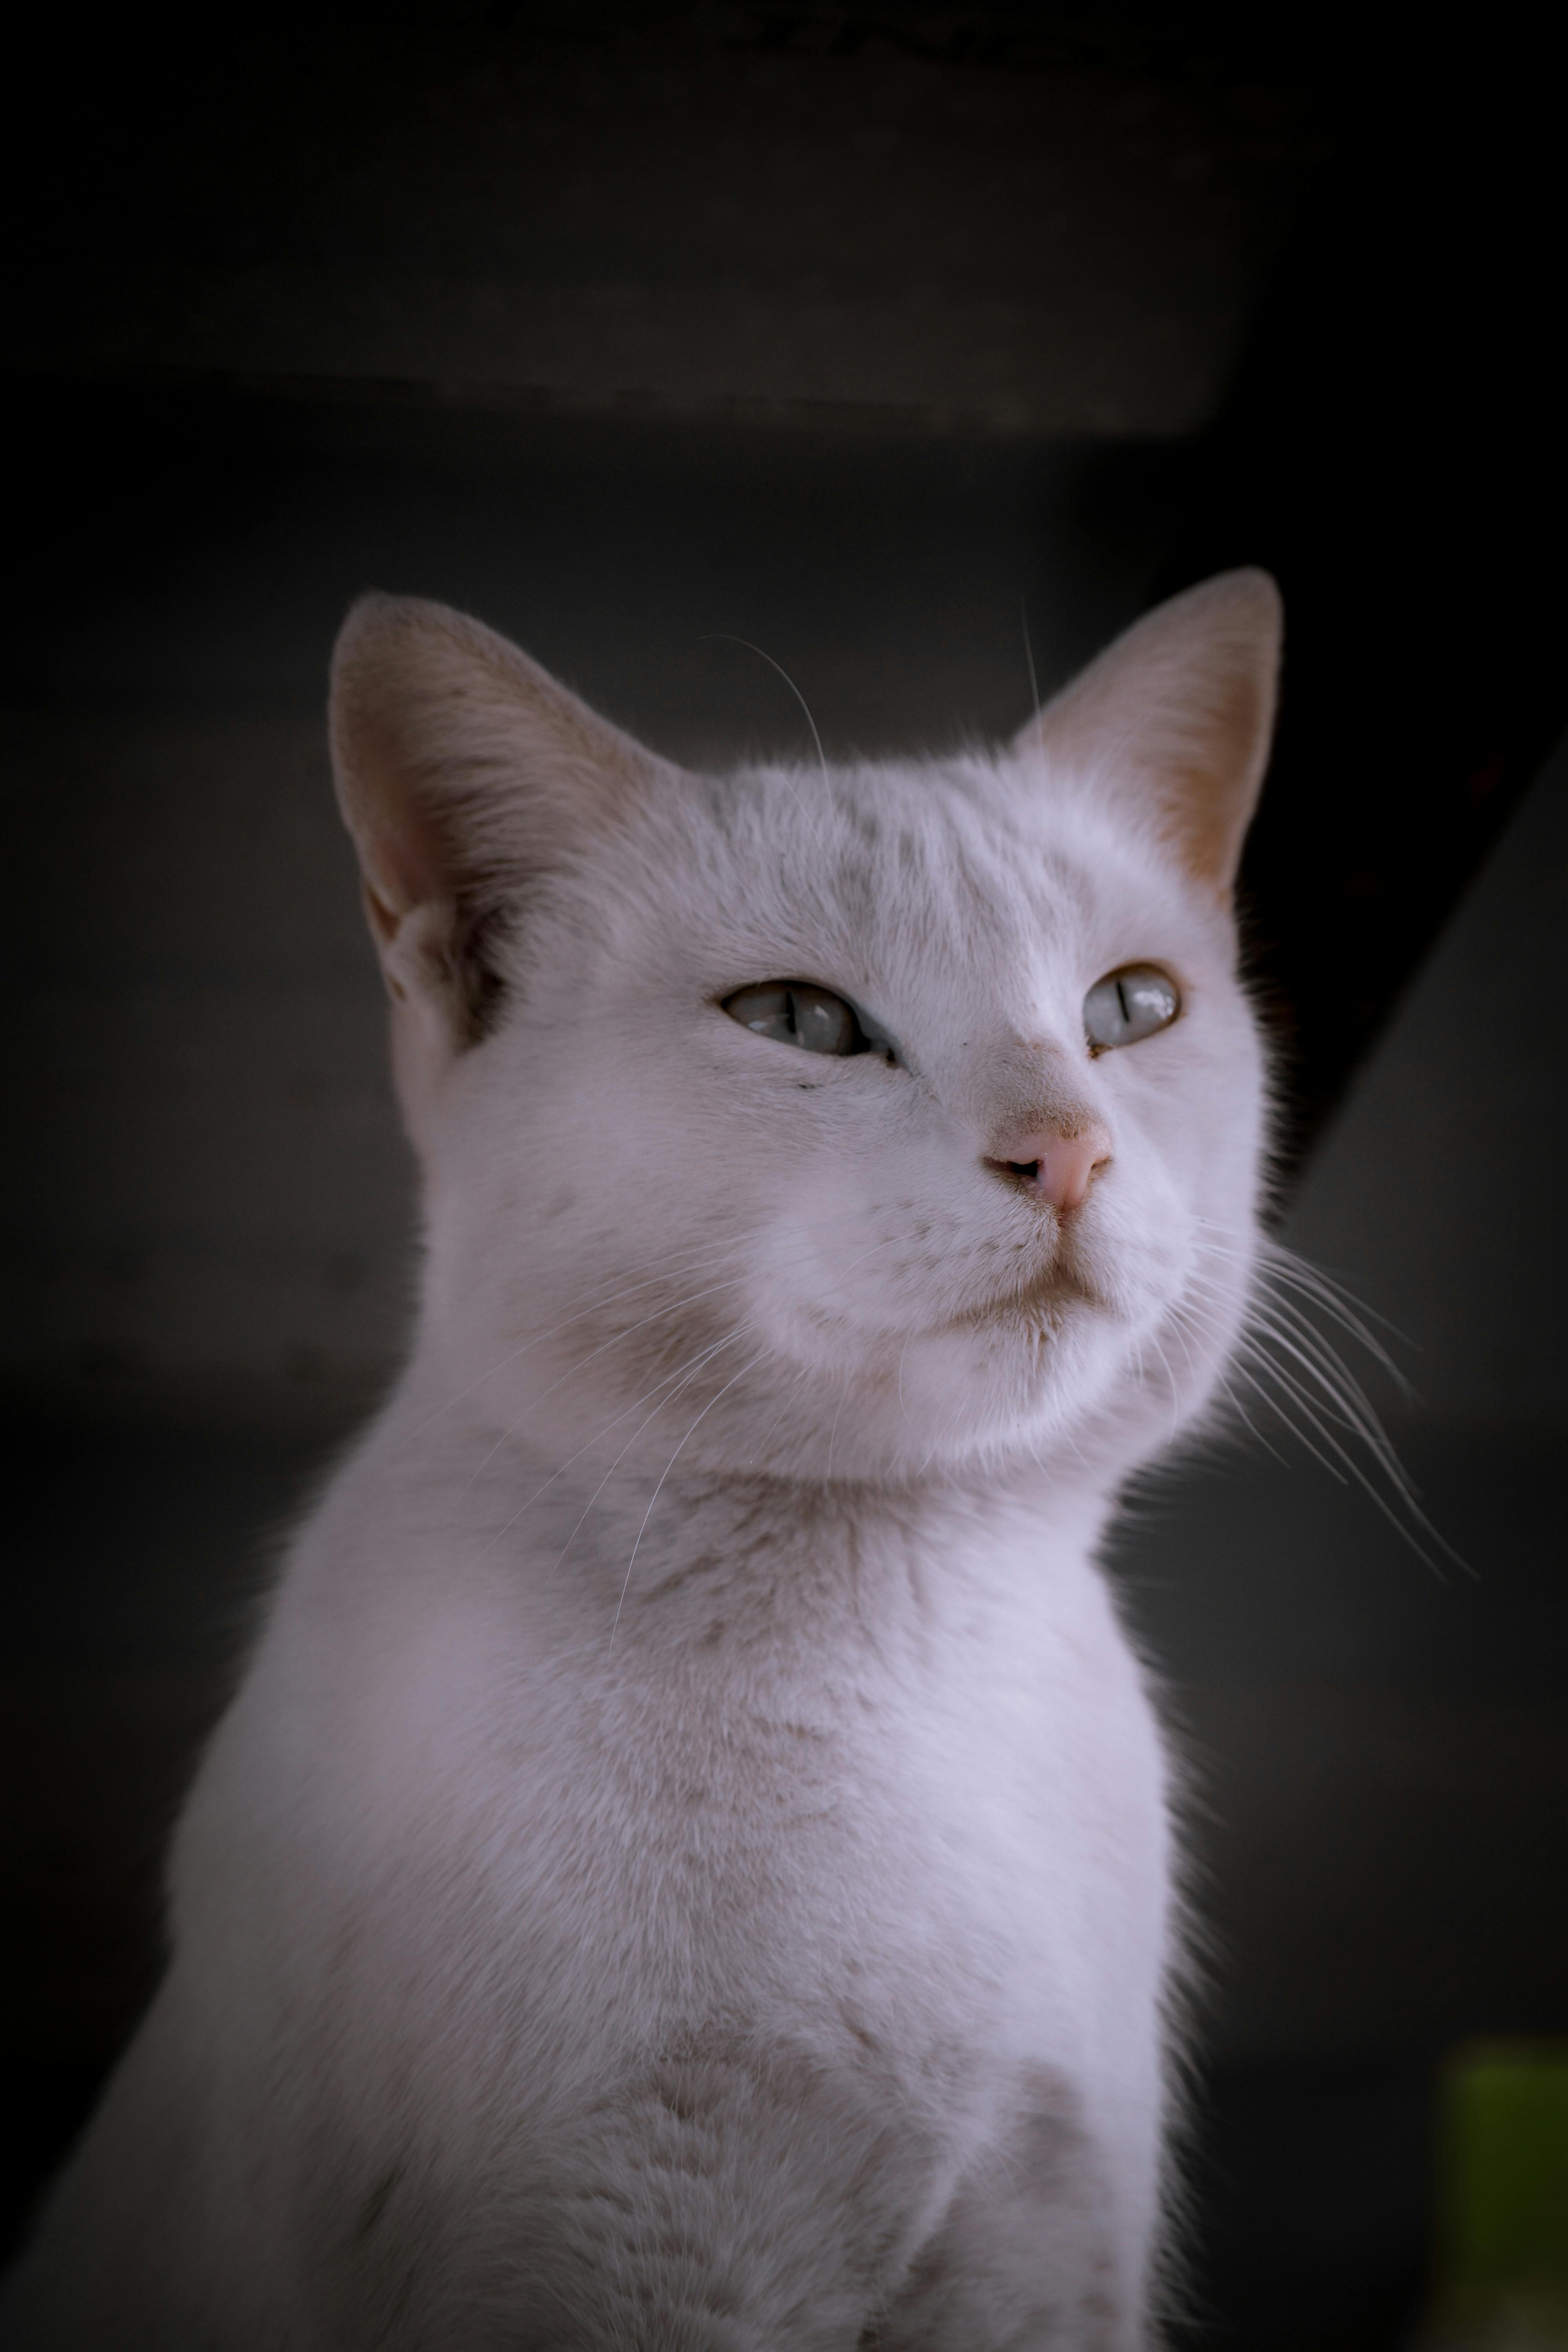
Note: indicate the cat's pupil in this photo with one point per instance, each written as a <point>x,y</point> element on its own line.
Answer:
<point>798,1013</point>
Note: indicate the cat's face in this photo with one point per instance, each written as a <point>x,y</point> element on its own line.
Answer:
<point>936,1201</point>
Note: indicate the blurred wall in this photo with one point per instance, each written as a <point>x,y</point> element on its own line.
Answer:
<point>995,218</point>
<point>1374,1693</point>
<point>1440,1191</point>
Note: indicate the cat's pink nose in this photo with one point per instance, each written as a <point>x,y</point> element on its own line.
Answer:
<point>1052,1165</point>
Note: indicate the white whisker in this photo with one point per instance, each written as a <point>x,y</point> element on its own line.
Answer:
<point>668,1467</point>
<point>663,1405</point>
<point>1289,1363</point>
<point>693,1363</point>
<point>595,1306</point>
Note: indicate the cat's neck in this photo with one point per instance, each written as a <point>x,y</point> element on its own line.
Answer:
<point>607,1538</point>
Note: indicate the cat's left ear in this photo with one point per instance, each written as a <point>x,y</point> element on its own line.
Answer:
<point>1180,711</point>
<point>465,774</point>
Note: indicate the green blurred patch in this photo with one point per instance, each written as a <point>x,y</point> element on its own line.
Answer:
<point>1503,2199</point>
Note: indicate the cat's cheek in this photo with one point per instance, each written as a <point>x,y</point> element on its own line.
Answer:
<point>1134,1247</point>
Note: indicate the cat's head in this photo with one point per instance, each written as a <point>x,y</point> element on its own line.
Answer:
<point>829,1120</point>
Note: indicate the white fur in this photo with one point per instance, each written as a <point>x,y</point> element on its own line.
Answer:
<point>689,1868</point>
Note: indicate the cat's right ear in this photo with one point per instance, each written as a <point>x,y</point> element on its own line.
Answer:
<point>1179,714</point>
<point>463,772</point>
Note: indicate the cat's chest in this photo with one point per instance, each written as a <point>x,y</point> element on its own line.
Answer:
<point>957,1763</point>
<point>919,1811</point>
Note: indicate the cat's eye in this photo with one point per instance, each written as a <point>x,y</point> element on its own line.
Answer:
<point>798,1013</point>
<point>1129,1004</point>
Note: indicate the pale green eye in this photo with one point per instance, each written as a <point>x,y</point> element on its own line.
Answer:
<point>797,1012</point>
<point>1129,1004</point>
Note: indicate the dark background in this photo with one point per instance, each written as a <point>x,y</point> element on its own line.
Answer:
<point>866,336</point>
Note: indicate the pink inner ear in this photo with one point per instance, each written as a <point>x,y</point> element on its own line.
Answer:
<point>383,917</point>
<point>1213,785</point>
<point>404,861</point>
<point>1181,706</point>
<point>443,736</point>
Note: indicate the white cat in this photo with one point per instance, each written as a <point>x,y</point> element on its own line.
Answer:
<point>689,1868</point>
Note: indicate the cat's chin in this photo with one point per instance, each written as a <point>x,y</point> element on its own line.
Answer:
<point>1018,1378</point>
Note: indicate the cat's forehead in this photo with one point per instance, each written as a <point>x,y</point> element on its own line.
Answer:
<point>963,858</point>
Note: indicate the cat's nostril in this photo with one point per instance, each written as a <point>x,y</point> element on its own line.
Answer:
<point>1062,1169</point>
